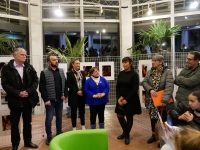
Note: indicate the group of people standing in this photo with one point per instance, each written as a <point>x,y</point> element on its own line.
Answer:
<point>19,79</point>
<point>183,112</point>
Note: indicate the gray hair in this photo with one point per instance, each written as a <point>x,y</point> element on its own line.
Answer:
<point>17,50</point>
<point>158,58</point>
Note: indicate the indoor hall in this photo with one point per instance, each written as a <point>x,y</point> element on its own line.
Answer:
<point>138,136</point>
<point>36,24</point>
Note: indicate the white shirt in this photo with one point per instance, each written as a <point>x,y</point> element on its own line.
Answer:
<point>20,69</point>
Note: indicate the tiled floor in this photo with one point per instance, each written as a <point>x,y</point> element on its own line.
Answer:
<point>139,133</point>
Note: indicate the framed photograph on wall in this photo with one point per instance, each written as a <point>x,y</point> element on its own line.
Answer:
<point>142,96</point>
<point>175,86</point>
<point>63,66</point>
<point>107,70</point>
<point>144,67</point>
<point>5,124</point>
<point>86,66</point>
<point>3,103</point>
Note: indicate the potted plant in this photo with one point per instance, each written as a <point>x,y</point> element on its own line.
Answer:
<point>65,55</point>
<point>7,45</point>
<point>156,36</point>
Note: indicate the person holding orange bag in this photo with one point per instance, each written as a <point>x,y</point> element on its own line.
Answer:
<point>157,78</point>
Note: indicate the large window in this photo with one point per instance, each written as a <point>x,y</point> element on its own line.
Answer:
<point>103,38</point>
<point>16,29</point>
<point>190,33</point>
<point>13,8</point>
<point>54,31</point>
<point>151,10</point>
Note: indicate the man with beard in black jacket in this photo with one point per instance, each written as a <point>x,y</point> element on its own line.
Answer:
<point>19,80</point>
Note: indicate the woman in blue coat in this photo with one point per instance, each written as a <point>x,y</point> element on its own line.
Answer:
<point>96,90</point>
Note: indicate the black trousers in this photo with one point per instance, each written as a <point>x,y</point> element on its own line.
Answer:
<point>81,108</point>
<point>15,114</point>
<point>97,110</point>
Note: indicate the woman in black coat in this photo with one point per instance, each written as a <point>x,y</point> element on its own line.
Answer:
<point>76,98</point>
<point>128,103</point>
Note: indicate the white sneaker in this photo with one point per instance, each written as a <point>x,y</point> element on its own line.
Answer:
<point>83,127</point>
<point>74,128</point>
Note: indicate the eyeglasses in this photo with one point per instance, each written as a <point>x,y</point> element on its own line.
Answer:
<point>189,59</point>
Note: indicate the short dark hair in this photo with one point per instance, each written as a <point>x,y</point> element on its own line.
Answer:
<point>197,94</point>
<point>196,55</point>
<point>128,59</point>
<point>92,70</point>
<point>48,57</point>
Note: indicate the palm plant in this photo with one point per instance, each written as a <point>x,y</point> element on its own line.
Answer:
<point>156,35</point>
<point>7,45</point>
<point>65,55</point>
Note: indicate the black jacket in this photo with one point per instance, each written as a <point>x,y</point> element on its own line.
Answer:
<point>11,84</point>
<point>180,109</point>
<point>73,98</point>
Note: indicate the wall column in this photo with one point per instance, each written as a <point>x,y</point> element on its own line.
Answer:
<point>36,39</point>
<point>125,28</point>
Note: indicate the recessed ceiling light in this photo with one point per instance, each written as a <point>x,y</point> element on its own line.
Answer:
<point>186,17</point>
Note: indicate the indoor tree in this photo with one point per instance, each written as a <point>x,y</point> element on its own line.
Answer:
<point>70,51</point>
<point>7,45</point>
<point>156,35</point>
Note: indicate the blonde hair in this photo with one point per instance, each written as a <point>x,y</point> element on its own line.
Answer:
<point>187,139</point>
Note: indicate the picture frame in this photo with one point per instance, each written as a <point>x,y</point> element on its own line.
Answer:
<point>178,70</point>
<point>86,66</point>
<point>144,67</point>
<point>142,96</point>
<point>5,125</point>
<point>3,103</point>
<point>107,70</point>
<point>64,67</point>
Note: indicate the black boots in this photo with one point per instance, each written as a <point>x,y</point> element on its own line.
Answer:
<point>121,136</point>
<point>151,139</point>
<point>127,139</point>
<point>126,136</point>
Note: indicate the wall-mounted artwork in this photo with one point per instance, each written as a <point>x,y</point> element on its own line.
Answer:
<point>175,86</point>
<point>3,103</point>
<point>64,67</point>
<point>5,124</point>
<point>142,96</point>
<point>107,70</point>
<point>144,67</point>
<point>86,66</point>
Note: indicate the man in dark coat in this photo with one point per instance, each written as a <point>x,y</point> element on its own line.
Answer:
<point>19,80</point>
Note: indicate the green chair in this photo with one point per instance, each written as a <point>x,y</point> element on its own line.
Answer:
<point>96,139</point>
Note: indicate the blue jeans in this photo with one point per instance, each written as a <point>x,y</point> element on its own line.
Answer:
<point>58,107</point>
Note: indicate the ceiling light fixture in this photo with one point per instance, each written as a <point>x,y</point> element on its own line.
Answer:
<point>194,4</point>
<point>58,12</point>
<point>149,10</point>
<point>101,10</point>
<point>186,17</point>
